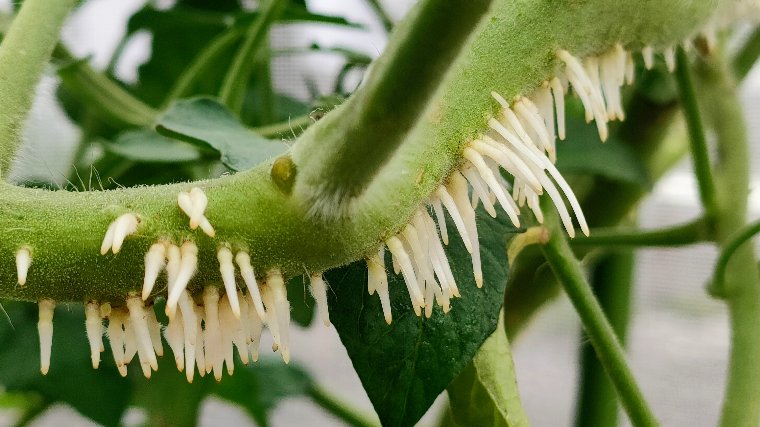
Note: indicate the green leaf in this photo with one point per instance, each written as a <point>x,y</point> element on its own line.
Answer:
<point>405,366</point>
<point>146,145</point>
<point>206,123</point>
<point>485,393</point>
<point>101,395</point>
<point>583,153</point>
<point>259,387</point>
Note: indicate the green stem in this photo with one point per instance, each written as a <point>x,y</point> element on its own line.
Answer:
<point>734,242</point>
<point>747,56</point>
<point>689,233</point>
<point>201,62</point>
<point>699,151</point>
<point>232,92</point>
<point>381,14</point>
<point>334,406</point>
<point>290,128</point>
<point>741,405</point>
<point>103,95</point>
<point>608,349</point>
<point>612,281</point>
<point>376,120</point>
<point>24,52</point>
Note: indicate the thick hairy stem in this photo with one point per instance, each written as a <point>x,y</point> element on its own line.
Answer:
<point>741,405</point>
<point>24,52</point>
<point>512,53</point>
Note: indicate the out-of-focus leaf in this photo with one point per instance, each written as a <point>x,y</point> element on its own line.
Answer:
<point>485,393</point>
<point>260,386</point>
<point>405,366</point>
<point>101,395</point>
<point>146,145</point>
<point>583,153</point>
<point>205,122</point>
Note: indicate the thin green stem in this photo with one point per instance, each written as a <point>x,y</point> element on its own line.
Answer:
<point>232,92</point>
<point>290,128</point>
<point>24,52</point>
<point>721,105</point>
<point>612,281</point>
<point>699,150</point>
<point>747,56</point>
<point>201,62</point>
<point>102,94</point>
<point>339,409</point>
<point>733,243</point>
<point>689,233</point>
<point>608,349</point>
<point>381,14</point>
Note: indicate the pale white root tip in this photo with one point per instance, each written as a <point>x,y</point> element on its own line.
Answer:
<point>670,58</point>
<point>396,247</point>
<point>227,270</point>
<point>246,272</point>
<point>648,54</point>
<point>138,317</point>
<point>187,266</point>
<point>319,292</point>
<point>276,284</point>
<point>212,337</point>
<point>194,204</point>
<point>23,262</point>
<point>123,227</point>
<point>377,279</point>
<point>154,262</point>
<point>94,328</point>
<point>45,328</point>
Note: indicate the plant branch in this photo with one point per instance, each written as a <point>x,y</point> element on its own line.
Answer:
<point>697,138</point>
<point>24,52</point>
<point>339,409</point>
<point>741,405</point>
<point>235,81</point>
<point>290,128</point>
<point>381,14</point>
<point>611,354</point>
<point>612,281</point>
<point>689,233</point>
<point>747,56</point>
<point>733,243</point>
<point>105,97</point>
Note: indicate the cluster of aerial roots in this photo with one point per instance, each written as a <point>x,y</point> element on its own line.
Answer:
<point>203,330</point>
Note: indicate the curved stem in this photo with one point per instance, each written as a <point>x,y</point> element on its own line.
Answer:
<point>102,94</point>
<point>741,404</point>
<point>747,56</point>
<point>611,354</point>
<point>232,92</point>
<point>689,233</point>
<point>290,128</point>
<point>381,14</point>
<point>734,242</point>
<point>699,153</point>
<point>24,52</point>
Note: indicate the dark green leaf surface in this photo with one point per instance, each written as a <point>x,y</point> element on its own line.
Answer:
<point>485,393</point>
<point>146,145</point>
<point>406,365</point>
<point>100,395</point>
<point>205,122</point>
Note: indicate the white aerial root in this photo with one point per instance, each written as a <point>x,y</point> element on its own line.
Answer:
<point>227,270</point>
<point>45,328</point>
<point>187,265</point>
<point>23,262</point>
<point>318,289</point>
<point>138,318</point>
<point>94,328</point>
<point>119,229</point>
<point>243,261</point>
<point>193,204</point>
<point>278,303</point>
<point>155,260</point>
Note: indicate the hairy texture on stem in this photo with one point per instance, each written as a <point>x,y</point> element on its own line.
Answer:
<point>512,53</point>
<point>23,55</point>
